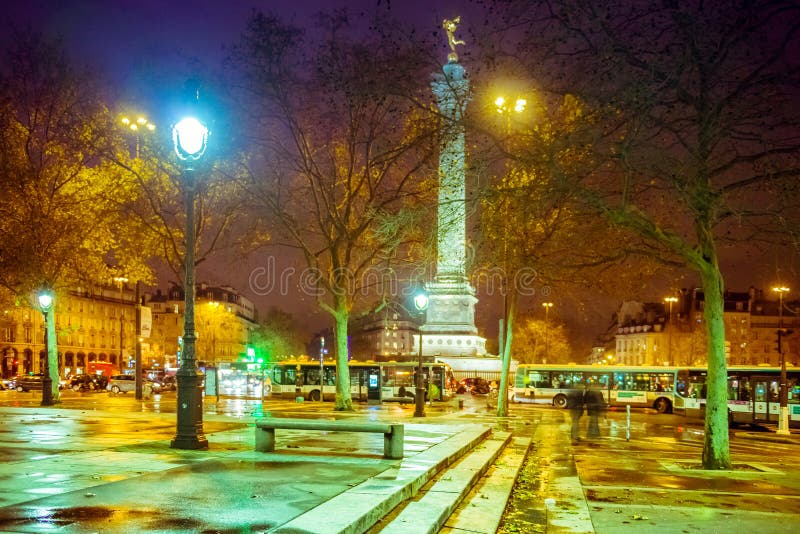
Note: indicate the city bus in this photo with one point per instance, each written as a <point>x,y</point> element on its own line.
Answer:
<point>753,393</point>
<point>635,386</point>
<point>291,379</point>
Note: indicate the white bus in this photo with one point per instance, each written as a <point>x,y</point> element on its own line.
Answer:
<point>290,379</point>
<point>637,386</point>
<point>753,393</point>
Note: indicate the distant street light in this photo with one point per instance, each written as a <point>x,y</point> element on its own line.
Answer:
<point>547,306</point>
<point>505,108</point>
<point>670,300</point>
<point>141,124</point>
<point>190,138</point>
<point>421,304</point>
<point>45,298</point>
<point>783,422</point>
<point>121,280</point>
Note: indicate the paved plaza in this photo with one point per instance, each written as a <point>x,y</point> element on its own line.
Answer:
<point>80,468</point>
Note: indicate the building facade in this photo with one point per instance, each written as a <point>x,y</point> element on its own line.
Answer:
<point>646,335</point>
<point>386,334</point>
<point>224,322</point>
<point>92,325</point>
<point>98,325</point>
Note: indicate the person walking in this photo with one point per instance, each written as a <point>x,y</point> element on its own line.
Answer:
<point>575,407</point>
<point>595,407</point>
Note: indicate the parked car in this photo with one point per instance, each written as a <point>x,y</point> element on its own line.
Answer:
<point>86,382</point>
<point>168,383</point>
<point>121,383</point>
<point>28,383</point>
<point>126,383</point>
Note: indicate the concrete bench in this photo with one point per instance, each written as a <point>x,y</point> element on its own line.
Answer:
<point>392,432</point>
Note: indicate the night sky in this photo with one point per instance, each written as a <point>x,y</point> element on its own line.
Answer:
<point>147,48</point>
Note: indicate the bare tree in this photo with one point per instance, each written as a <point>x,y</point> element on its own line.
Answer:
<point>344,154</point>
<point>690,130</point>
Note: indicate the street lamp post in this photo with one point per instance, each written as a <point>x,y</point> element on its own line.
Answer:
<point>121,280</point>
<point>421,304</point>
<point>45,298</point>
<point>783,422</point>
<point>321,369</point>
<point>670,300</point>
<point>137,126</point>
<point>505,109</point>
<point>547,306</point>
<point>190,138</point>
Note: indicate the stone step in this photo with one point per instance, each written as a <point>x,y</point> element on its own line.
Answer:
<point>482,510</point>
<point>429,513</point>
<point>359,508</point>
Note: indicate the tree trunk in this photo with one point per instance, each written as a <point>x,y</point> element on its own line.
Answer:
<point>344,401</point>
<point>502,392</point>
<point>716,446</point>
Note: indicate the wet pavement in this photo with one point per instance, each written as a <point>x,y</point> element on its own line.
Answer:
<point>102,463</point>
<point>654,482</point>
<point>87,470</point>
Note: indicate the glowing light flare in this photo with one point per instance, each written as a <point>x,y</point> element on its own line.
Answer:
<point>502,105</point>
<point>191,138</point>
<point>45,300</point>
<point>421,301</point>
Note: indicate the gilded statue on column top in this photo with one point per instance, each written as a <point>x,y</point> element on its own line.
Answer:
<point>450,27</point>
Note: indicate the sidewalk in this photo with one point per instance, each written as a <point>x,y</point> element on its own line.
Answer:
<point>655,482</point>
<point>125,478</point>
<point>53,479</point>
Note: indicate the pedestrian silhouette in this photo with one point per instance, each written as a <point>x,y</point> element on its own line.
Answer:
<point>595,407</point>
<point>575,406</point>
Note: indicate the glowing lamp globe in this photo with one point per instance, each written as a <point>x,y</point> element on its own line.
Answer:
<point>45,300</point>
<point>421,301</point>
<point>190,137</point>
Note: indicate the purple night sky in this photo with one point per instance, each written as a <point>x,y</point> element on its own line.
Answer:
<point>147,48</point>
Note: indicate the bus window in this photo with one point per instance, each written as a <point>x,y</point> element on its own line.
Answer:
<point>597,379</point>
<point>661,381</point>
<point>793,390</point>
<point>733,389</point>
<point>632,381</point>
<point>538,379</point>
<point>289,376</point>
<point>277,375</point>
<point>312,377</point>
<point>773,391</point>
<point>682,386</point>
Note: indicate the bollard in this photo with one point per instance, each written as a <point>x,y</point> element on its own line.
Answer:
<point>628,423</point>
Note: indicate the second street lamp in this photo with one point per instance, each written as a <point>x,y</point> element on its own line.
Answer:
<point>783,421</point>
<point>190,138</point>
<point>547,306</point>
<point>671,301</point>
<point>45,298</point>
<point>421,304</point>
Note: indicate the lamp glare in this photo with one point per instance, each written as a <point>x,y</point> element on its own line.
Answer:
<point>421,301</point>
<point>45,301</point>
<point>190,137</point>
